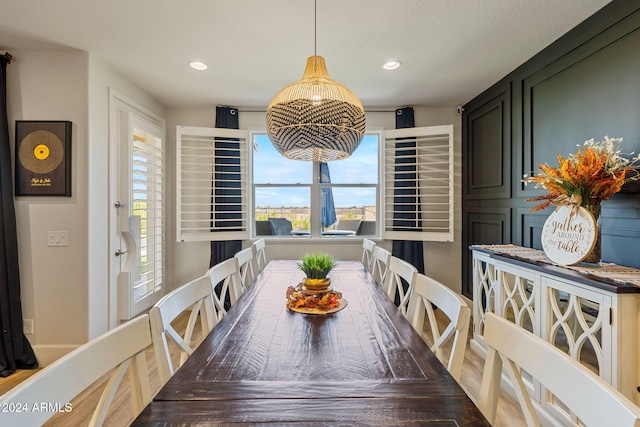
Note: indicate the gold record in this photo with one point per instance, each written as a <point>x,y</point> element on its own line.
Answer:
<point>41,152</point>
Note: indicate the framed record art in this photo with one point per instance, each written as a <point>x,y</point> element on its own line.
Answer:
<point>43,158</point>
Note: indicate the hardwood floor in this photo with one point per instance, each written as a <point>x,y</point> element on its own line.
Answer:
<point>120,413</point>
<point>11,381</point>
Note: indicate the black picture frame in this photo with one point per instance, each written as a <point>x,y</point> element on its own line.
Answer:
<point>43,158</point>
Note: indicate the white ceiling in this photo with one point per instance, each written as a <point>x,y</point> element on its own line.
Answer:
<point>451,50</point>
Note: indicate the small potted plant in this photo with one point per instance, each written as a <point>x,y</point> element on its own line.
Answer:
<point>316,267</point>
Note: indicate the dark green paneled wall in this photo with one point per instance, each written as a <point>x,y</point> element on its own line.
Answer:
<point>585,85</point>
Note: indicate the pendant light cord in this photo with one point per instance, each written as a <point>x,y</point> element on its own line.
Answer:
<point>315,27</point>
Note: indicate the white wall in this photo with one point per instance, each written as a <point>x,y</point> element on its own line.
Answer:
<point>189,259</point>
<point>53,86</point>
<point>64,289</point>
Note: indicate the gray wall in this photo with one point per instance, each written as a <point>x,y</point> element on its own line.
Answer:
<point>586,85</point>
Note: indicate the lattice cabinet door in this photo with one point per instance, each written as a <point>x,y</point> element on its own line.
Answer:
<point>507,291</point>
<point>519,302</point>
<point>519,297</point>
<point>578,321</point>
<point>485,291</point>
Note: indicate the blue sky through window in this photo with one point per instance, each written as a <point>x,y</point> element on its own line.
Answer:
<point>270,167</point>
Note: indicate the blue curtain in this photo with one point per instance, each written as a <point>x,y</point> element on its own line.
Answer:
<point>15,350</point>
<point>227,189</point>
<point>409,197</point>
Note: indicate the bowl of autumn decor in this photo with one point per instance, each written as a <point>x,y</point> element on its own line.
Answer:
<point>316,267</point>
<point>314,294</point>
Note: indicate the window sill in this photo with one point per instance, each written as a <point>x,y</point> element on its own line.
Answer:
<point>306,240</point>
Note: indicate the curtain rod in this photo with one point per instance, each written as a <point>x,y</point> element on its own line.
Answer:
<point>7,56</point>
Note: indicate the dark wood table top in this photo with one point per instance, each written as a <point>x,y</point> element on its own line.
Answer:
<point>262,363</point>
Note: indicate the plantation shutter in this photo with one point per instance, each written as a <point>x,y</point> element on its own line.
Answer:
<point>418,184</point>
<point>212,184</point>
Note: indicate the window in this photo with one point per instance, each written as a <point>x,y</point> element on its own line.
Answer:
<point>401,188</point>
<point>302,199</point>
<point>147,190</point>
<point>140,219</point>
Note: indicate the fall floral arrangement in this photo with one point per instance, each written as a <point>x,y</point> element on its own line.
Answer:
<point>593,174</point>
<point>297,298</point>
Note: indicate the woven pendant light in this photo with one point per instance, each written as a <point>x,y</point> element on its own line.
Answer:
<point>315,118</point>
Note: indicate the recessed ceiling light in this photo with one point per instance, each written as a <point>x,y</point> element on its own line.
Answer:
<point>197,65</point>
<point>391,65</point>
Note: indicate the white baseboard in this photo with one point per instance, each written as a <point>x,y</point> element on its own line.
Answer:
<point>47,354</point>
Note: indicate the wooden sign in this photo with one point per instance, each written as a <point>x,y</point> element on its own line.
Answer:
<point>569,236</point>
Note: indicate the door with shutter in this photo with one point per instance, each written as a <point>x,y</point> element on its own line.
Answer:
<point>137,226</point>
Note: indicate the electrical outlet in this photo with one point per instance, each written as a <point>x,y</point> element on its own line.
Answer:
<point>27,326</point>
<point>58,238</point>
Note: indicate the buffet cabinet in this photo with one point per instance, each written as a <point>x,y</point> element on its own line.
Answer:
<point>592,318</point>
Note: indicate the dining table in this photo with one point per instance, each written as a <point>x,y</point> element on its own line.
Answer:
<point>266,364</point>
<point>341,233</point>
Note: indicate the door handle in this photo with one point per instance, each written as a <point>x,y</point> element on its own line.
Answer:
<point>120,252</point>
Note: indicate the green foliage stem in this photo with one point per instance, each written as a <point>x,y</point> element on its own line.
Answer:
<point>316,265</point>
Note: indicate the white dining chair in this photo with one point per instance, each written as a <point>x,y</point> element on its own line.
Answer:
<point>397,271</point>
<point>367,252</point>
<point>589,397</point>
<point>228,273</point>
<point>119,350</point>
<point>194,296</point>
<point>428,292</point>
<point>259,247</point>
<point>245,266</point>
<point>379,264</point>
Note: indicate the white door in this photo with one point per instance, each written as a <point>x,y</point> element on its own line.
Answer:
<point>138,222</point>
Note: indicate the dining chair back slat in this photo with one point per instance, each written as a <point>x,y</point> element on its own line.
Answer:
<point>259,247</point>
<point>195,296</point>
<point>367,252</point>
<point>245,266</point>
<point>379,264</point>
<point>227,274</point>
<point>589,398</point>
<point>428,292</point>
<point>120,350</point>
<point>397,271</point>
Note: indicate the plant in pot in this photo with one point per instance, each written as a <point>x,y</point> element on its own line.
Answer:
<point>316,267</point>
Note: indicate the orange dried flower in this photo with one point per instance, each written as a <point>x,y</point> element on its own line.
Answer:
<point>595,173</point>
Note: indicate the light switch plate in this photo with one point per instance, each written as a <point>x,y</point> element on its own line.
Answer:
<point>58,238</point>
